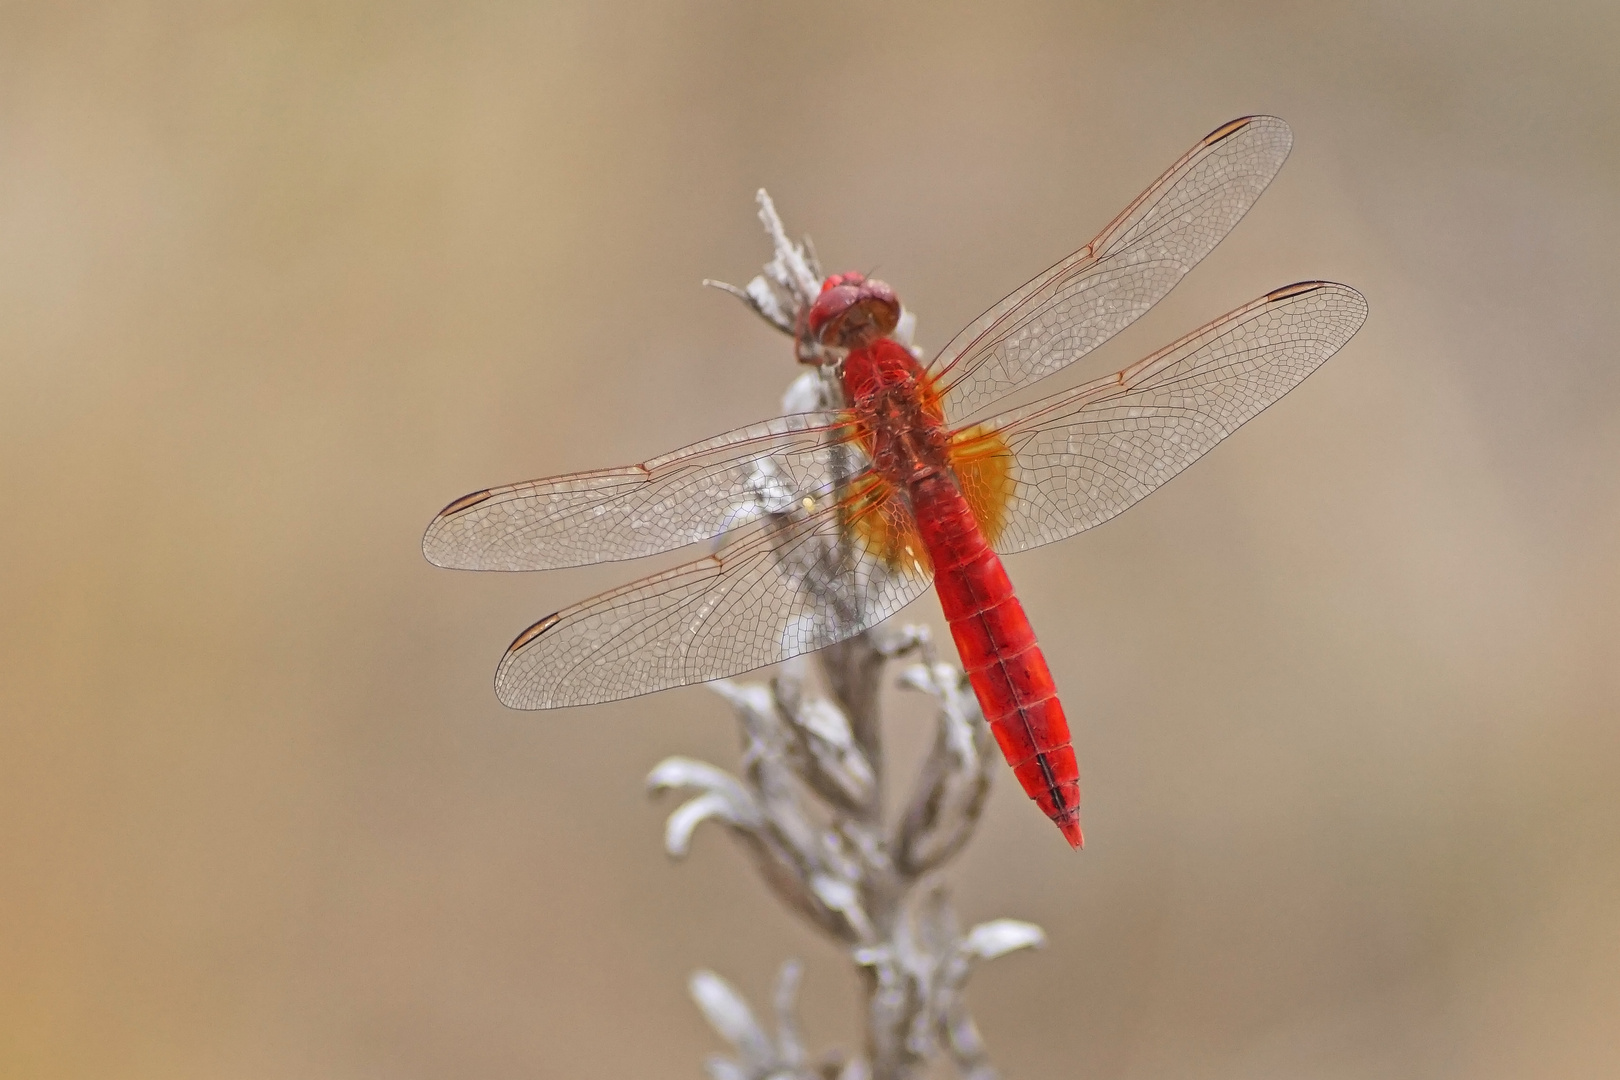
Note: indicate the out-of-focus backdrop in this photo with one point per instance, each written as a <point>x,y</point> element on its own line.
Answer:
<point>278,280</point>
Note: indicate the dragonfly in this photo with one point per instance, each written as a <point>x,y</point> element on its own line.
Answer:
<point>829,521</point>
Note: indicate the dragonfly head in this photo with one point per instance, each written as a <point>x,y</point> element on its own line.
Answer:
<point>852,311</point>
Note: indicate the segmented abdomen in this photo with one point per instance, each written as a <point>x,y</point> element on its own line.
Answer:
<point>997,645</point>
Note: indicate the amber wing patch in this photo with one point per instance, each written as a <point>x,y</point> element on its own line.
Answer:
<point>880,520</point>
<point>984,472</point>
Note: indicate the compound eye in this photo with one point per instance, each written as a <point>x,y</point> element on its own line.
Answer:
<point>852,311</point>
<point>880,304</point>
<point>829,308</point>
<point>835,280</point>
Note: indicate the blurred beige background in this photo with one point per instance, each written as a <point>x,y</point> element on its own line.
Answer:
<point>278,280</point>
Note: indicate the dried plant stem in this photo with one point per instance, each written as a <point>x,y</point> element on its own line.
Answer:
<point>808,809</point>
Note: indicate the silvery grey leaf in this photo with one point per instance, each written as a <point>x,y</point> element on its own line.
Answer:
<point>836,894</point>
<point>833,764</point>
<point>906,329</point>
<point>767,303</point>
<point>998,937</point>
<point>822,718</point>
<point>724,797</point>
<point>842,896</point>
<point>684,821</point>
<point>684,772</point>
<point>873,955</point>
<point>948,801</point>
<point>790,267</point>
<point>730,1015</point>
<point>918,677</point>
<point>855,1069</point>
<point>804,394</point>
<point>790,1048</point>
<point>722,1068</point>
<point>752,696</point>
<point>811,259</point>
<point>761,299</point>
<point>933,926</point>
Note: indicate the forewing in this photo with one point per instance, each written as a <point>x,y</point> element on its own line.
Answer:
<point>798,583</point>
<point>1085,455</point>
<point>1106,285</point>
<point>693,494</point>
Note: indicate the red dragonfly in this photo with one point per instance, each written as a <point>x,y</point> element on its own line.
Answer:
<point>835,520</point>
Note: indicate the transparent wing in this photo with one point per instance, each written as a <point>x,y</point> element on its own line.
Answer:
<point>1105,286</point>
<point>1085,455</point>
<point>693,494</point>
<point>796,584</point>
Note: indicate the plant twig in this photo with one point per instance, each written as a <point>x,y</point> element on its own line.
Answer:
<point>808,806</point>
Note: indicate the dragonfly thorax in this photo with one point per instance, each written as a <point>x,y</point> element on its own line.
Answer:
<point>898,411</point>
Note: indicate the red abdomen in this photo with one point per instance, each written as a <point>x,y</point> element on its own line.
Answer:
<point>999,653</point>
